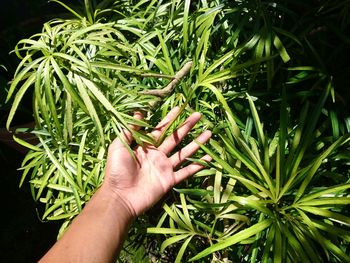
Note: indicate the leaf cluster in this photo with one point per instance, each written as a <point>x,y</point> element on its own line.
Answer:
<point>278,188</point>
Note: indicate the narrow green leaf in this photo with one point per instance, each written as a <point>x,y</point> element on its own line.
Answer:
<point>317,163</point>
<point>170,69</point>
<point>264,174</point>
<point>337,231</point>
<point>253,202</point>
<point>50,99</point>
<point>302,233</point>
<point>325,243</point>
<point>164,231</point>
<point>187,218</point>
<point>172,240</point>
<point>288,34</point>
<point>232,119</point>
<point>281,49</point>
<point>252,186</point>
<point>260,132</point>
<point>296,245</point>
<point>56,205</point>
<point>44,181</point>
<point>68,118</point>
<point>335,123</point>
<point>67,85</point>
<point>217,186</point>
<point>91,109</point>
<point>63,216</point>
<point>329,190</point>
<point>282,142</point>
<point>80,159</point>
<point>268,245</point>
<point>18,98</point>
<point>61,169</point>
<point>104,101</point>
<point>36,161</point>
<point>117,67</point>
<point>259,50</point>
<point>88,11</point>
<point>277,247</point>
<point>240,156</point>
<point>195,192</point>
<point>68,8</point>
<point>175,217</point>
<point>305,142</point>
<point>225,58</point>
<point>331,201</point>
<point>255,245</point>
<point>182,250</point>
<point>228,190</point>
<point>26,144</point>
<point>60,188</point>
<point>340,218</point>
<point>236,238</point>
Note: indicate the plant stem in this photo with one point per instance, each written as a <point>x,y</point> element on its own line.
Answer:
<point>171,86</point>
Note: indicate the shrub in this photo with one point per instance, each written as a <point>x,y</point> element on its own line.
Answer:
<point>269,199</point>
<point>276,191</point>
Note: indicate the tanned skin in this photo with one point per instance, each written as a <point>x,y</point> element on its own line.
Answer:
<point>131,186</point>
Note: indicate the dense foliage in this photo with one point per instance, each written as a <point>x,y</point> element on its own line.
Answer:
<point>261,75</point>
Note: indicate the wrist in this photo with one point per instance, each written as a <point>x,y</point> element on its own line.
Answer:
<point>119,200</point>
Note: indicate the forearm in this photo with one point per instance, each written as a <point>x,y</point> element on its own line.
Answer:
<point>97,234</point>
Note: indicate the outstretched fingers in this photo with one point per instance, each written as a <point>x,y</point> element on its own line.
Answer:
<point>170,143</point>
<point>178,157</point>
<point>126,134</point>
<point>190,169</point>
<point>159,129</point>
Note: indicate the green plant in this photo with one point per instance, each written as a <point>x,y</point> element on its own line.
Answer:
<point>79,106</point>
<point>279,199</point>
<point>89,73</point>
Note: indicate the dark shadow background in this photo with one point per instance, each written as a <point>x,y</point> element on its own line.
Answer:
<point>23,237</point>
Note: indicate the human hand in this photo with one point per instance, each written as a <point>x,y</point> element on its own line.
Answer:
<point>140,181</point>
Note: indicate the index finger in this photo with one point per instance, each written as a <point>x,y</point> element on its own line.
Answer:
<point>174,139</point>
<point>163,125</point>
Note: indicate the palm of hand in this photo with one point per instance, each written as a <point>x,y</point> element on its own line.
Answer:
<point>143,179</point>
